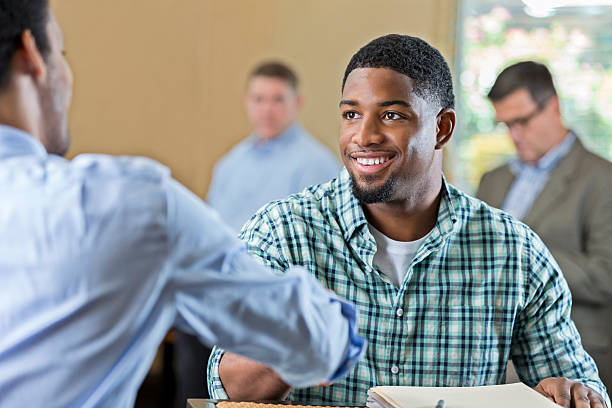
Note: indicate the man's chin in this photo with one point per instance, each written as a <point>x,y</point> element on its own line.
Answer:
<point>369,189</point>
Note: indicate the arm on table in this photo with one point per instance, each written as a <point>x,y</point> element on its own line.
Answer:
<point>546,343</point>
<point>244,379</point>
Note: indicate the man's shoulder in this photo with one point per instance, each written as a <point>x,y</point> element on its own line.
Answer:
<point>315,147</point>
<point>593,162</point>
<point>235,154</point>
<point>311,208</point>
<point>497,172</point>
<point>476,215</point>
<point>125,168</point>
<point>308,139</point>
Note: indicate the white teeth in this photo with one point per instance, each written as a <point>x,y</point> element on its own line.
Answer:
<point>369,162</point>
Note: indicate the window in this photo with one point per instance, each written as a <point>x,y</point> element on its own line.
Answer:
<point>575,42</point>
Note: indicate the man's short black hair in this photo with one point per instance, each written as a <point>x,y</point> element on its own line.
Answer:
<point>530,75</point>
<point>16,16</point>
<point>276,69</point>
<point>412,57</point>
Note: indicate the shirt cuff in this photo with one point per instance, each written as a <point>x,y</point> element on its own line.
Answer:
<point>358,344</point>
<point>215,386</point>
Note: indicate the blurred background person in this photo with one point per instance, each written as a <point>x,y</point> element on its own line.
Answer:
<point>561,190</point>
<point>278,159</point>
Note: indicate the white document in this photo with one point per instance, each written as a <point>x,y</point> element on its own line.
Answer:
<point>489,396</point>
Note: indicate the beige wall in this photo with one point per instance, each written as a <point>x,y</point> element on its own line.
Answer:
<point>165,78</point>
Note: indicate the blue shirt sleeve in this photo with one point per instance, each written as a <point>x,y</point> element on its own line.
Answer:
<point>290,323</point>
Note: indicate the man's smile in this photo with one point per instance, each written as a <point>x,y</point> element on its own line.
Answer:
<point>371,162</point>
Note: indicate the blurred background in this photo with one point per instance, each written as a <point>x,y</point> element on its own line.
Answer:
<point>166,78</point>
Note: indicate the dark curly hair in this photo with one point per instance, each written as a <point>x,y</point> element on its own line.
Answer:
<point>16,16</point>
<point>412,57</point>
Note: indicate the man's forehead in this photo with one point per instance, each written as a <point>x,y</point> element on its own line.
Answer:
<point>264,82</point>
<point>517,101</point>
<point>384,82</point>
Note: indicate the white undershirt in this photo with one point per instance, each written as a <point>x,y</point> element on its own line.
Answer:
<point>393,258</point>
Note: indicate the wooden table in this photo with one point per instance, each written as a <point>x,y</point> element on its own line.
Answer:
<point>210,403</point>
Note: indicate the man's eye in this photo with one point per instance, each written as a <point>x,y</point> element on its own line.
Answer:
<point>350,115</point>
<point>392,116</point>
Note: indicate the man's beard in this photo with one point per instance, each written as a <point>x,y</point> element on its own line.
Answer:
<point>380,194</point>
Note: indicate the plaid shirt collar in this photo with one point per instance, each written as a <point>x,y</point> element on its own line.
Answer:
<point>353,220</point>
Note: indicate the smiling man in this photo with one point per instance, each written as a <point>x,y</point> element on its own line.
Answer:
<point>449,289</point>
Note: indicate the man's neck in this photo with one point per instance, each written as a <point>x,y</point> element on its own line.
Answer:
<point>406,220</point>
<point>560,135</point>
<point>263,140</point>
<point>16,111</point>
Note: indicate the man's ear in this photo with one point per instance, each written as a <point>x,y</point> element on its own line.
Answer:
<point>34,64</point>
<point>556,105</point>
<point>445,126</point>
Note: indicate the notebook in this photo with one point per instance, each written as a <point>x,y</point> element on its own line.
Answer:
<point>489,396</point>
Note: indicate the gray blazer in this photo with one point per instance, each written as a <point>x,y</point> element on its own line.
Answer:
<point>573,216</point>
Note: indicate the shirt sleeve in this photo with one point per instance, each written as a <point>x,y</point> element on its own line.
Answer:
<point>546,342</point>
<point>215,188</point>
<point>321,170</point>
<point>289,322</point>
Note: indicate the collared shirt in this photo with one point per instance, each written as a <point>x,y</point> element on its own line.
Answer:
<point>255,172</point>
<point>100,256</point>
<point>531,179</point>
<point>481,289</point>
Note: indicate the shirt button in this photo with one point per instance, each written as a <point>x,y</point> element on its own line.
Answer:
<point>399,312</point>
<point>394,369</point>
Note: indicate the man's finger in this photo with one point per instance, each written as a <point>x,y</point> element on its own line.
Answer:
<point>580,396</point>
<point>542,391</point>
<point>562,393</point>
<point>596,400</point>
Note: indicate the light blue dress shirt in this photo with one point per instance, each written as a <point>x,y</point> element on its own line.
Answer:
<point>100,256</point>
<point>530,179</point>
<point>254,173</point>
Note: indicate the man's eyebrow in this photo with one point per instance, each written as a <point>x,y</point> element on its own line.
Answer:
<point>347,102</point>
<point>395,102</point>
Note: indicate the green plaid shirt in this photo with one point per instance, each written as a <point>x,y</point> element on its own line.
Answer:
<point>482,289</point>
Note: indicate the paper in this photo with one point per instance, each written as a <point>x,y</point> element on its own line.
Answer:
<point>489,396</point>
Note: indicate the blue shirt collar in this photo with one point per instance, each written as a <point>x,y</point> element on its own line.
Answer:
<point>15,142</point>
<point>286,137</point>
<point>549,160</point>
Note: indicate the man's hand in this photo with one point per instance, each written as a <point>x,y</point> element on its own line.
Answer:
<point>569,394</point>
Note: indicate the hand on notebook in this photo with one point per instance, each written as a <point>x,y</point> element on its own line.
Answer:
<point>569,394</point>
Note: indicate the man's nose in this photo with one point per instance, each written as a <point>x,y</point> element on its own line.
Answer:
<point>369,132</point>
<point>516,133</point>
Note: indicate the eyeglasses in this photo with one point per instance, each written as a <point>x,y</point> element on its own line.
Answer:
<point>522,122</point>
